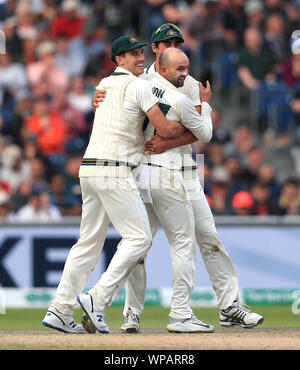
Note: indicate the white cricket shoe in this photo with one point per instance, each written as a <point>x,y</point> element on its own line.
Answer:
<point>94,314</point>
<point>239,315</point>
<point>191,325</point>
<point>131,322</point>
<point>65,323</point>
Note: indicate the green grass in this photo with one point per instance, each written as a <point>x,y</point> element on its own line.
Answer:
<point>153,317</point>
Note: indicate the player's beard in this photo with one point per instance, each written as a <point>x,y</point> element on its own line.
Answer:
<point>180,81</point>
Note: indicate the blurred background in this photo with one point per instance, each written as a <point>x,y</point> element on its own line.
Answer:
<point>58,51</point>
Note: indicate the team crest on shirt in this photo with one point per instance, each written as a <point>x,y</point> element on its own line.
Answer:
<point>132,40</point>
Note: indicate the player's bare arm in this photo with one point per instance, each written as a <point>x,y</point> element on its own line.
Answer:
<point>160,144</point>
<point>164,127</point>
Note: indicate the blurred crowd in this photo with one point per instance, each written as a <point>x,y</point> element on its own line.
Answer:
<point>58,51</point>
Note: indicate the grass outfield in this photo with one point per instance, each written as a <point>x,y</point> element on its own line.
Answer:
<point>153,317</point>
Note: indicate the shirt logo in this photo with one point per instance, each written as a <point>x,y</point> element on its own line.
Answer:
<point>158,92</point>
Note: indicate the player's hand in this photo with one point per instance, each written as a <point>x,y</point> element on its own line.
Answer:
<point>98,97</point>
<point>157,145</point>
<point>205,92</point>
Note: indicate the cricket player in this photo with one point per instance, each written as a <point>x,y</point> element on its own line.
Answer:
<point>109,192</point>
<point>168,195</point>
<point>217,261</point>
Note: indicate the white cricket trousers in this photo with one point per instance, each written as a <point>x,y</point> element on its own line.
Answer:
<point>216,259</point>
<point>172,209</point>
<point>104,200</point>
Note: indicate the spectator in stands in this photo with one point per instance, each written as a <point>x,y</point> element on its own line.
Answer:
<point>255,64</point>
<point>175,12</point>
<point>204,23</point>
<point>23,110</point>
<point>12,76</point>
<point>234,23</point>
<point>28,47</point>
<point>242,142</point>
<point>255,157</point>
<point>75,124</point>
<point>274,36</point>
<point>39,209</point>
<point>116,17</point>
<point>242,203</point>
<point>215,154</point>
<point>39,173</point>
<point>254,10</point>
<point>30,148</point>
<point>78,96</point>
<point>235,180</point>
<point>220,133</point>
<point>219,198</point>
<point>289,201</point>
<point>263,204</point>
<point>275,7</point>
<point>68,22</point>
<point>99,66</point>
<point>14,167</point>
<point>154,17</point>
<point>66,203</point>
<point>48,10</point>
<point>94,52</point>
<point>203,33</point>
<point>266,174</point>
<point>48,127</point>
<point>12,79</point>
<point>46,71</point>
<point>289,71</point>
<point>12,40</point>
<point>292,9</point>
<point>26,28</point>
<point>71,59</point>
<point>21,196</point>
<point>7,9</point>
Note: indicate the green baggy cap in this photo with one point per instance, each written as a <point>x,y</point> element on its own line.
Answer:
<point>124,43</point>
<point>166,31</point>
